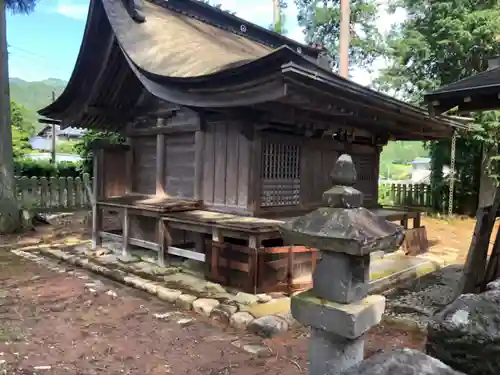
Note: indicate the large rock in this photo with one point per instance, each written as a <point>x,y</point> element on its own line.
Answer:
<point>268,326</point>
<point>223,312</point>
<point>240,320</point>
<point>401,362</point>
<point>466,334</point>
<point>205,306</point>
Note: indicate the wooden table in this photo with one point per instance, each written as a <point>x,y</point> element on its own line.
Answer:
<point>399,214</point>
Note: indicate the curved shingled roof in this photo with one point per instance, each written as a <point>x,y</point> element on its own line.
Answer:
<point>188,53</point>
<point>175,45</point>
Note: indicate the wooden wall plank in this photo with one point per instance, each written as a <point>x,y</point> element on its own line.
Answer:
<point>199,141</point>
<point>144,181</point>
<point>232,171</point>
<point>243,169</point>
<point>209,164</point>
<point>220,163</point>
<point>254,183</point>
<point>180,165</point>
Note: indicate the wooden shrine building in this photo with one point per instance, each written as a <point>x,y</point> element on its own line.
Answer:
<point>229,128</point>
<point>480,92</point>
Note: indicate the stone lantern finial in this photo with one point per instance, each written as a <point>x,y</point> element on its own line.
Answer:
<point>343,194</point>
<point>344,171</point>
<point>338,308</point>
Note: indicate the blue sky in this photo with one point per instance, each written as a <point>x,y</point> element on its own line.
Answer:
<point>45,44</point>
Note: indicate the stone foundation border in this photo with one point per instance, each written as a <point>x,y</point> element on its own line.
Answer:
<point>264,326</point>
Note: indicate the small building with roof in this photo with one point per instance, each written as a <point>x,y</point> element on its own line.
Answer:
<point>480,92</point>
<point>42,141</point>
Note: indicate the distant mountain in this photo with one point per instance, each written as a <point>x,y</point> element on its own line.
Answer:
<point>35,95</point>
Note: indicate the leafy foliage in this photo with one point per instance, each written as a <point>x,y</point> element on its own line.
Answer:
<point>21,6</point>
<point>321,20</point>
<point>442,41</point>
<point>20,144</point>
<point>280,26</point>
<point>44,168</point>
<point>384,195</point>
<point>85,144</point>
<point>397,153</point>
<point>66,147</point>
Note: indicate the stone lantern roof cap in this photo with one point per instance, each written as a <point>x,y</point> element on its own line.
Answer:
<point>341,225</point>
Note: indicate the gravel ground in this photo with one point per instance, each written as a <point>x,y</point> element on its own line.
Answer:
<point>55,320</point>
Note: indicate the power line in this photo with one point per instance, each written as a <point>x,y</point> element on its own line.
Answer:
<point>48,61</point>
<point>32,61</point>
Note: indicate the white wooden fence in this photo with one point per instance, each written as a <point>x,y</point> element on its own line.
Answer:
<point>63,194</point>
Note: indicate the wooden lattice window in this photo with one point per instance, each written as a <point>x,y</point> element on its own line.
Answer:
<point>280,175</point>
<point>366,172</point>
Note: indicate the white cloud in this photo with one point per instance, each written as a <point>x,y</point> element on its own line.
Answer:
<point>73,9</point>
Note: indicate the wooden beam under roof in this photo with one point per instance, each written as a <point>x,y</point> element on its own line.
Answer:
<point>49,121</point>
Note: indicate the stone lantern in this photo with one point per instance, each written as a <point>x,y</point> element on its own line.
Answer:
<point>337,307</point>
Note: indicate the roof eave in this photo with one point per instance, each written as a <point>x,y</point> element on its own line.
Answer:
<point>373,98</point>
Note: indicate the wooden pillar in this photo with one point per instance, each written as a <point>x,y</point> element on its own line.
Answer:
<point>96,195</point>
<point>164,241</point>
<point>378,150</point>
<point>199,162</point>
<point>214,255</point>
<point>129,167</point>
<point>125,233</point>
<point>254,245</point>
<point>254,186</point>
<point>160,160</point>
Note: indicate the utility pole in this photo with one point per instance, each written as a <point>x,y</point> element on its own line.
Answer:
<point>345,13</point>
<point>53,134</point>
<point>276,14</point>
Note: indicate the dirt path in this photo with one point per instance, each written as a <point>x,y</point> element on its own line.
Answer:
<point>59,322</point>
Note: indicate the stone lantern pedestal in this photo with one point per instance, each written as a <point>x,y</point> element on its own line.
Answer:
<point>337,308</point>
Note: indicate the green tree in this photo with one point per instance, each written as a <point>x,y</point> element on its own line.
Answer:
<point>279,24</point>
<point>66,147</point>
<point>18,118</point>
<point>321,21</point>
<point>10,218</point>
<point>396,154</point>
<point>85,146</point>
<point>442,41</point>
<point>20,137</point>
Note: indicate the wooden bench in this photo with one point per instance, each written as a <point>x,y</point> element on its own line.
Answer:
<point>141,208</point>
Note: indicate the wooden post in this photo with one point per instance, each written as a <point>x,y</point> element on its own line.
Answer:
<point>96,195</point>
<point>214,259</point>
<point>475,264</point>
<point>129,167</point>
<point>164,241</point>
<point>255,184</point>
<point>199,162</point>
<point>53,153</point>
<point>125,234</point>
<point>160,160</point>
<point>254,244</point>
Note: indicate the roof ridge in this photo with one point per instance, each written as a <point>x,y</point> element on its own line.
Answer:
<point>173,5</point>
<point>447,87</point>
